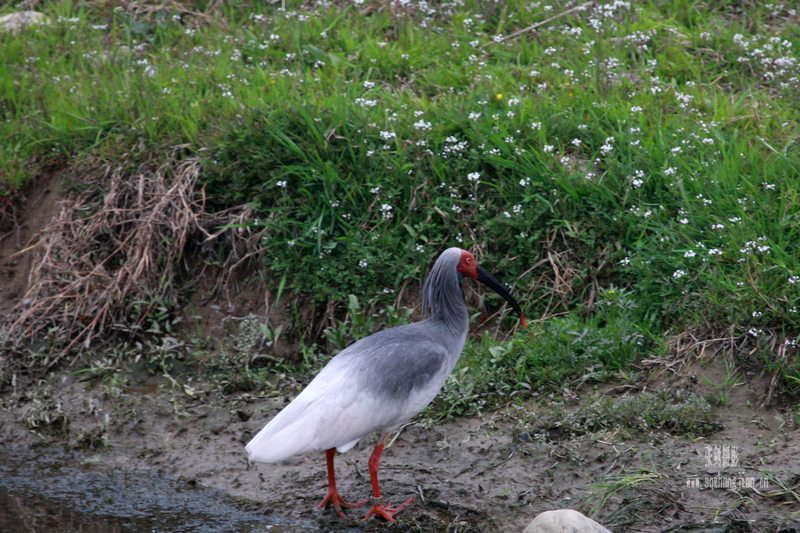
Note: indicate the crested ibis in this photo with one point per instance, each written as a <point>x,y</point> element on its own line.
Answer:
<point>379,382</point>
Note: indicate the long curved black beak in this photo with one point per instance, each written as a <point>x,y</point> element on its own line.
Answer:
<point>489,280</point>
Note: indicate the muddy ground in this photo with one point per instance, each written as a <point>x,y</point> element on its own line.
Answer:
<point>492,472</point>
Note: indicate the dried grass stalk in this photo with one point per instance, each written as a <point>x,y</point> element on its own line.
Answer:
<point>103,254</point>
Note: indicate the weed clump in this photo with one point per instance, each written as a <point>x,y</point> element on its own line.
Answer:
<point>45,415</point>
<point>641,413</point>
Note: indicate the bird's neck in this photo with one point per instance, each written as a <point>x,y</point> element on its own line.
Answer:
<point>457,323</point>
<point>445,302</point>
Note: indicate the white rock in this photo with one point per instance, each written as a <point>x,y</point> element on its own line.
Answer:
<point>16,21</point>
<point>563,521</point>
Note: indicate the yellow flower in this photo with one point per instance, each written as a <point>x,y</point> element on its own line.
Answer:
<point>498,97</point>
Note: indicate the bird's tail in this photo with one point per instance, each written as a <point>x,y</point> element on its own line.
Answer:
<point>271,445</point>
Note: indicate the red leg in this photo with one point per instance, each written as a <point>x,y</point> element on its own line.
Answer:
<point>385,512</point>
<point>333,497</point>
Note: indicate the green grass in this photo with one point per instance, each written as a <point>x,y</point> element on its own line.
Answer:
<point>657,154</point>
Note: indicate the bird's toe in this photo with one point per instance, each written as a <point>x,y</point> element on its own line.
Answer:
<point>387,512</point>
<point>333,499</point>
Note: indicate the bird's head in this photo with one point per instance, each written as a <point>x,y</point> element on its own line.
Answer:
<point>468,266</point>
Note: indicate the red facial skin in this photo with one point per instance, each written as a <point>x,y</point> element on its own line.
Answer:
<point>468,265</point>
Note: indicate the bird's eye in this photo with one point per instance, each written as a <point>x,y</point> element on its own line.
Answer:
<point>469,260</point>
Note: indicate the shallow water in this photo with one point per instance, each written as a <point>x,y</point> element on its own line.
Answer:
<point>48,490</point>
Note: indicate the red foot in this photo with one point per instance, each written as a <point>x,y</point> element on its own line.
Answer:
<point>387,513</point>
<point>338,503</point>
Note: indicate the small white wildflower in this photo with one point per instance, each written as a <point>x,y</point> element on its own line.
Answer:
<point>474,176</point>
<point>548,148</point>
<point>683,99</point>
<point>422,125</point>
<point>793,280</point>
<point>386,211</point>
<point>689,254</point>
<point>363,263</point>
<point>678,274</point>
<point>364,102</point>
<point>536,125</point>
<point>281,184</point>
<point>369,84</point>
<point>625,261</point>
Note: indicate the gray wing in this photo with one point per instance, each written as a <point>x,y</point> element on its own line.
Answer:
<point>398,370</point>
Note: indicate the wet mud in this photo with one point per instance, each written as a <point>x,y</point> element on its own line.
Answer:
<point>177,461</point>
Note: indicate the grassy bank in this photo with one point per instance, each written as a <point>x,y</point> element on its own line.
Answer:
<point>631,169</point>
